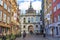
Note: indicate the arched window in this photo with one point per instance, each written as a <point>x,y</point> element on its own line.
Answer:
<point>24,26</point>
<point>28,20</point>
<point>36,26</point>
<point>32,19</point>
<point>24,20</point>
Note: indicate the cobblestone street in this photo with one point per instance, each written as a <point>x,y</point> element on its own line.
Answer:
<point>37,37</point>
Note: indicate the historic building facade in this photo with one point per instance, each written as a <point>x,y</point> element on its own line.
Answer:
<point>52,18</point>
<point>5,17</point>
<point>48,16</point>
<point>30,22</point>
<point>15,17</point>
<point>8,12</point>
<point>56,19</point>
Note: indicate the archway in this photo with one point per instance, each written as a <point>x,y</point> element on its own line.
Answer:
<point>30,29</point>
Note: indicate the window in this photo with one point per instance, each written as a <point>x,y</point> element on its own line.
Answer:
<point>54,0</point>
<point>4,17</point>
<point>28,20</point>
<point>55,19</point>
<point>5,6</point>
<point>6,29</point>
<point>54,8</point>
<point>1,2</point>
<point>24,26</point>
<point>15,16</point>
<point>36,30</point>
<point>24,20</point>
<point>59,18</point>
<point>58,6</point>
<point>8,9</point>
<point>50,4</point>
<point>0,15</point>
<point>37,18</point>
<point>50,12</point>
<point>8,20</point>
<point>32,19</point>
<point>36,26</point>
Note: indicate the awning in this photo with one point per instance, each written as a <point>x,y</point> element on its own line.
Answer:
<point>53,25</point>
<point>4,25</point>
<point>58,23</point>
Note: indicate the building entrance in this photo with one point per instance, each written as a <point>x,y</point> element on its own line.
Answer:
<point>30,29</point>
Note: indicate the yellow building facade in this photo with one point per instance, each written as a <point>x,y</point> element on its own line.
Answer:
<point>9,18</point>
<point>48,11</point>
<point>48,15</point>
<point>5,17</point>
<point>15,16</point>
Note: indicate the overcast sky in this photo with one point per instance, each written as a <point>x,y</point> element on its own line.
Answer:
<point>24,4</point>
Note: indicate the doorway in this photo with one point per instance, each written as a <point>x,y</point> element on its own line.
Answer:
<point>30,29</point>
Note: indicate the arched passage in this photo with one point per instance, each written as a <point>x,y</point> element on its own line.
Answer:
<point>30,29</point>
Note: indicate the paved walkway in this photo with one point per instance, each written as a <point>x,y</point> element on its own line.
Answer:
<point>39,37</point>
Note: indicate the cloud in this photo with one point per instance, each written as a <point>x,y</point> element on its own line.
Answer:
<point>28,0</point>
<point>25,0</point>
<point>20,0</point>
<point>36,5</point>
<point>24,6</point>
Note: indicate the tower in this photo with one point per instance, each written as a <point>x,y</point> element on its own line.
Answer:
<point>30,4</point>
<point>30,9</point>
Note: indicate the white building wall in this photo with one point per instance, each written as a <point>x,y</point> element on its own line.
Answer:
<point>27,19</point>
<point>34,25</point>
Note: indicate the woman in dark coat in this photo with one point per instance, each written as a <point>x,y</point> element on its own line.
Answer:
<point>24,34</point>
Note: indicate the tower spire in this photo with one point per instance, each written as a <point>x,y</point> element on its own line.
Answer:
<point>30,4</point>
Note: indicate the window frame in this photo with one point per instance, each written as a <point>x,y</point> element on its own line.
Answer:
<point>58,17</point>
<point>8,19</point>
<point>5,5</point>
<point>58,6</point>
<point>1,16</point>
<point>54,0</point>
<point>24,26</point>
<point>1,2</point>
<point>4,17</point>
<point>29,20</point>
<point>55,8</point>
<point>36,26</point>
<point>9,9</point>
<point>32,19</point>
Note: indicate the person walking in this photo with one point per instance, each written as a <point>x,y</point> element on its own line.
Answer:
<point>44,34</point>
<point>24,34</point>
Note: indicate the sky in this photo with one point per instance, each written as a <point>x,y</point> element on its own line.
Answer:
<point>24,4</point>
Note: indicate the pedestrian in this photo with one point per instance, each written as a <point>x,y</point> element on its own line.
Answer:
<point>24,34</point>
<point>44,34</point>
